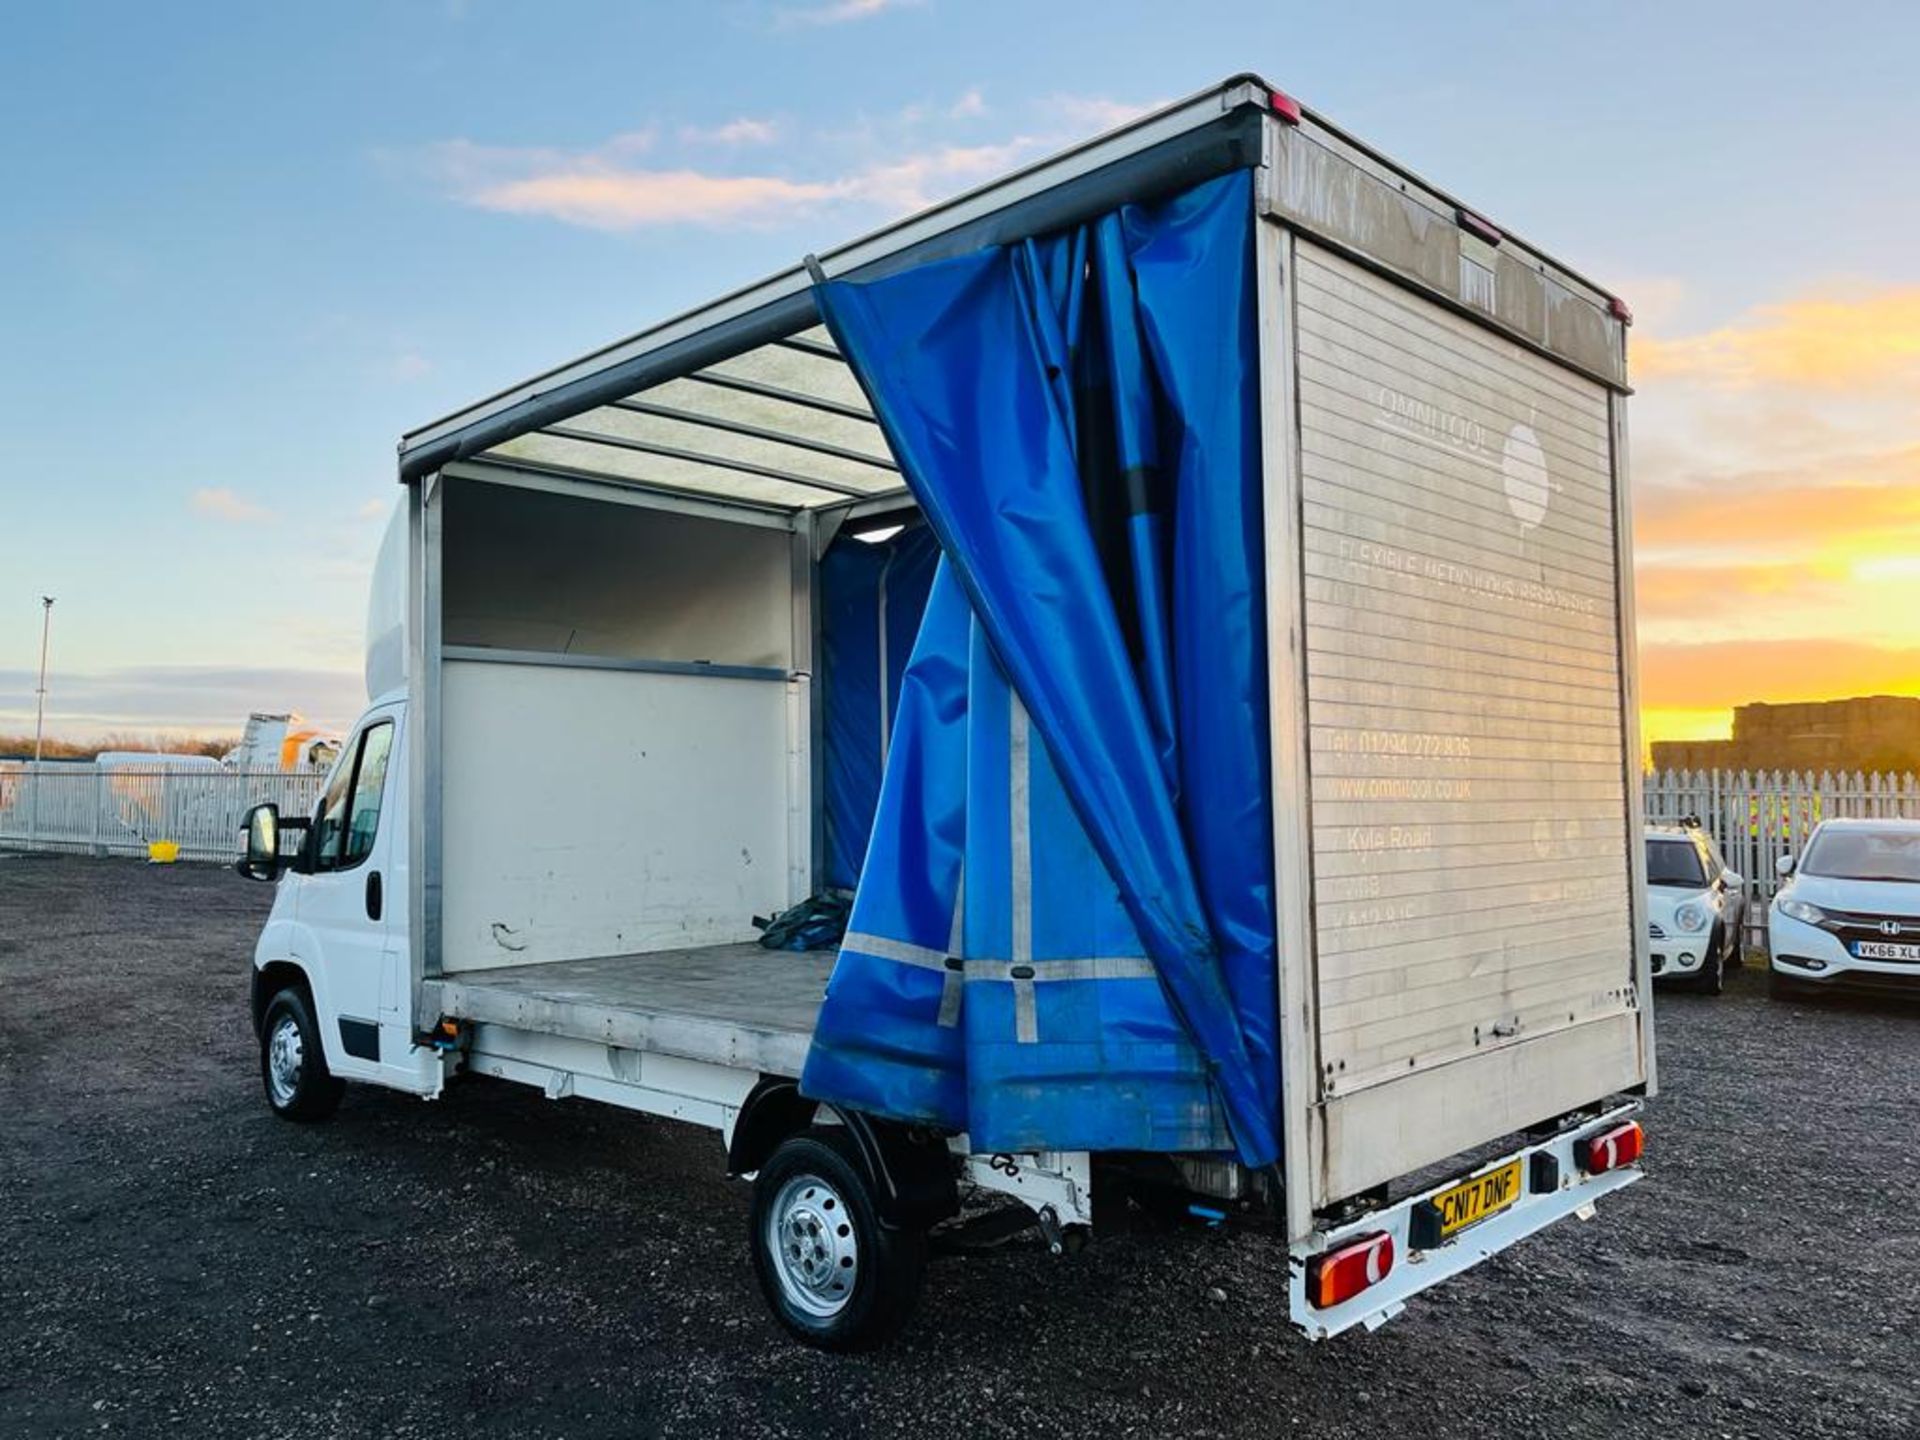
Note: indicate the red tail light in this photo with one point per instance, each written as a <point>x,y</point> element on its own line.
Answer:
<point>1619,1146</point>
<point>1339,1275</point>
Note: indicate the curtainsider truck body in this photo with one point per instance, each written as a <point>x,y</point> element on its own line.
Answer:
<point>1178,592</point>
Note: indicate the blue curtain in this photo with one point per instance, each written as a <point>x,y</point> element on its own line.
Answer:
<point>871,598</point>
<point>1063,935</point>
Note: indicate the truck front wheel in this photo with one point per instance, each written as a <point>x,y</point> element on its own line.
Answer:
<point>293,1067</point>
<point>836,1275</point>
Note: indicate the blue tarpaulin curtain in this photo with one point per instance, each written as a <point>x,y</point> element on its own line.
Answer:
<point>871,599</point>
<point>1063,936</point>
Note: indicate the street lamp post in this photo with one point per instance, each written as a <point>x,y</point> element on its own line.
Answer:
<point>39,718</point>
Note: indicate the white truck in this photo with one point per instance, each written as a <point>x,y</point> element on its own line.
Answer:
<point>648,659</point>
<point>283,741</point>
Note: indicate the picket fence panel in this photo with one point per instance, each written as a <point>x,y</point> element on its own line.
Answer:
<point>1756,816</point>
<point>84,810</point>
<point>1759,816</point>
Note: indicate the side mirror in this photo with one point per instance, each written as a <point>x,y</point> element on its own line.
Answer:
<point>1784,865</point>
<point>262,860</point>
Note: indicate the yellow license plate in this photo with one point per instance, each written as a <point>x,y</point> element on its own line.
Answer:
<point>1478,1198</point>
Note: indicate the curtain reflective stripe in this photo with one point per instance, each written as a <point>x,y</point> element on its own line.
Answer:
<point>953,983</point>
<point>1026,1025</point>
<point>1055,405</point>
<point>898,950</point>
<point>878,1044</point>
<point>1091,967</point>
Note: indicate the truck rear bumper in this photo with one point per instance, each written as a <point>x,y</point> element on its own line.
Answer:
<point>1417,1268</point>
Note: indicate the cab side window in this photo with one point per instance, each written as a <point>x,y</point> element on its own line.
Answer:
<point>369,785</point>
<point>333,813</point>
<point>350,812</point>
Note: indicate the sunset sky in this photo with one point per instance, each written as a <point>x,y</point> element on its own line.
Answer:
<point>245,246</point>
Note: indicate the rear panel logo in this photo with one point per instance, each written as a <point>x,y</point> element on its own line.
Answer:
<point>1523,468</point>
<point>1523,460</point>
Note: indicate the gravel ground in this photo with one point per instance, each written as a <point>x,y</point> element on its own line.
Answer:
<point>173,1258</point>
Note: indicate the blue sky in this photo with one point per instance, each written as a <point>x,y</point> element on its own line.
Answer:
<point>245,246</point>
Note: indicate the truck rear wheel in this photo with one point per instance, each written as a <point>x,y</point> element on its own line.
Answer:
<point>293,1067</point>
<point>835,1275</point>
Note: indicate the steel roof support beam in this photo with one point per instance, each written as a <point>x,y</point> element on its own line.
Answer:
<point>694,457</point>
<point>756,432</point>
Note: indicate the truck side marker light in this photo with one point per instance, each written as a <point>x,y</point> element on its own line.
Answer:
<point>1478,225</point>
<point>1619,1146</point>
<point>1338,1275</point>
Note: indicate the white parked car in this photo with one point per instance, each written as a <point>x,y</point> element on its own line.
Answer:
<point>1696,908</point>
<point>1848,914</point>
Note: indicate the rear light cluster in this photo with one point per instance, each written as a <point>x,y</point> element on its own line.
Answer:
<point>1619,1146</point>
<point>1338,1275</point>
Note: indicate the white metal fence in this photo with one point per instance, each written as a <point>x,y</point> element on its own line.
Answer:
<point>1757,816</point>
<point>82,809</point>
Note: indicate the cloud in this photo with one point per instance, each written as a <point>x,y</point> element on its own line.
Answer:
<point>1093,113</point>
<point>1656,300</point>
<point>742,131</point>
<point>1790,511</point>
<point>1722,674</point>
<point>178,699</point>
<point>917,181</point>
<point>631,199</point>
<point>1829,341</point>
<point>601,188</point>
<point>880,165</point>
<point>223,504</point>
<point>1777,503</point>
<point>838,12</point>
<point>406,366</point>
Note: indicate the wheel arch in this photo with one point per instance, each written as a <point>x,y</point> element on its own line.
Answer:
<point>273,977</point>
<point>911,1172</point>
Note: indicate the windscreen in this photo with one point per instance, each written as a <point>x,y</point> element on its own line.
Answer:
<point>1674,862</point>
<point>1864,855</point>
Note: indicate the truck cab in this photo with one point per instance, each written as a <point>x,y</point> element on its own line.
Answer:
<point>331,977</point>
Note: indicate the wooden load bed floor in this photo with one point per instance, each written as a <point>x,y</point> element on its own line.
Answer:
<point>739,1005</point>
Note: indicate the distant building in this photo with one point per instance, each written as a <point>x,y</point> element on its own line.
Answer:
<point>1870,732</point>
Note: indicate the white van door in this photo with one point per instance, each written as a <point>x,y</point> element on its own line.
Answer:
<point>347,900</point>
